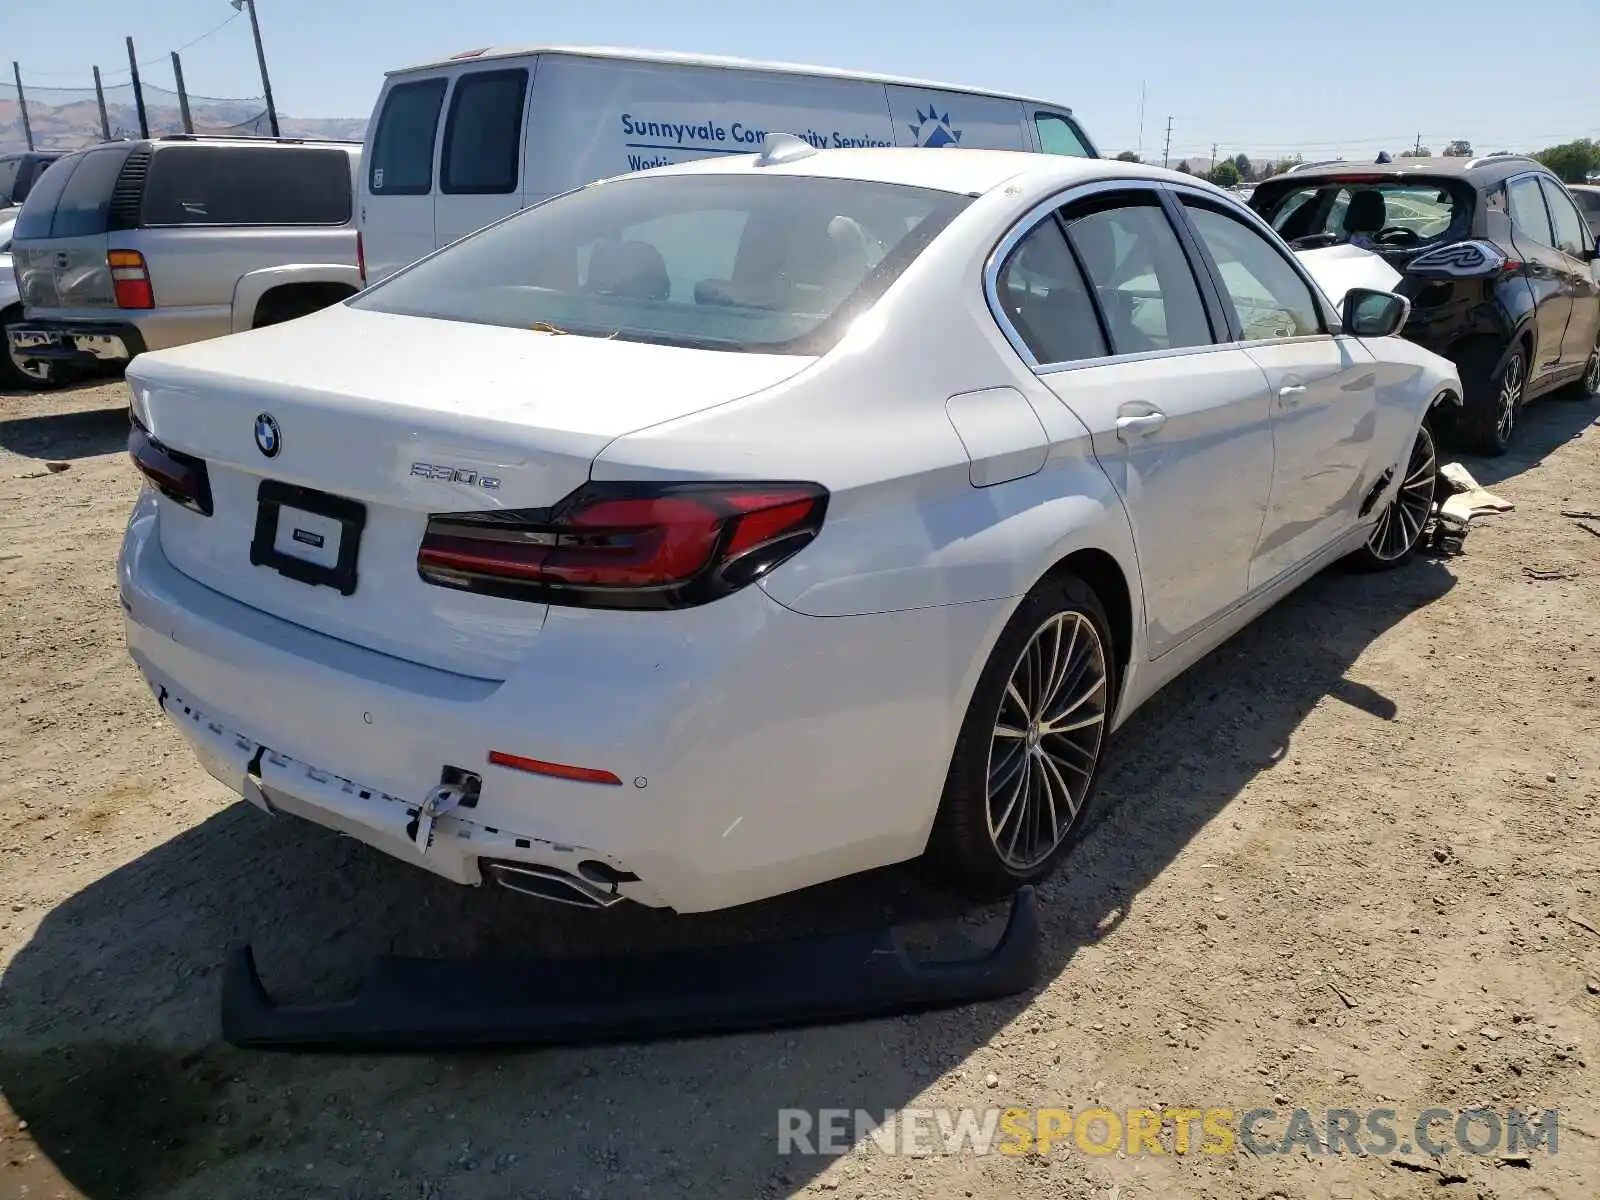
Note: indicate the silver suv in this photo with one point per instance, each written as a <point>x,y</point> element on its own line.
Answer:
<point>148,244</point>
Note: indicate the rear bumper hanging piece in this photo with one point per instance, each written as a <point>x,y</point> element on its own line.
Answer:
<point>412,1003</point>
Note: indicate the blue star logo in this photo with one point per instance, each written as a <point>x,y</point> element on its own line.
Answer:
<point>933,130</point>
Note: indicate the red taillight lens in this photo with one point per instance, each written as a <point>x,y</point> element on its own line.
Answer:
<point>177,476</point>
<point>626,545</point>
<point>130,279</point>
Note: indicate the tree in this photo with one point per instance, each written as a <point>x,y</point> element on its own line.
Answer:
<point>1225,174</point>
<point>1128,156</point>
<point>1241,163</point>
<point>1458,149</point>
<point>1572,160</point>
<point>1185,167</point>
<point>1418,152</point>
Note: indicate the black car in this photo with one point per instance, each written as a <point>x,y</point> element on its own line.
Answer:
<point>19,171</point>
<point>1497,263</point>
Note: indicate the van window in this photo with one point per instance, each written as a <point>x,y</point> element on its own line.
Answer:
<point>402,146</point>
<point>238,185</point>
<point>483,135</point>
<point>1057,135</point>
<point>81,208</point>
<point>777,264</point>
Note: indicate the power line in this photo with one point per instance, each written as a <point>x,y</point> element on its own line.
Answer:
<point>145,62</point>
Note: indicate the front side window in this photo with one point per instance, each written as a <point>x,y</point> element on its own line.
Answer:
<point>1057,135</point>
<point>483,134</point>
<point>1529,217</point>
<point>1045,298</point>
<point>1568,225</point>
<point>257,185</point>
<point>732,262</point>
<point>1142,282</point>
<point>402,144</point>
<point>1268,295</point>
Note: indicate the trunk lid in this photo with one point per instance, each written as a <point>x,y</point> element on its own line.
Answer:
<point>407,416</point>
<point>65,273</point>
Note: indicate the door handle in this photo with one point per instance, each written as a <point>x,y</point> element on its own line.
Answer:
<point>1290,393</point>
<point>1140,426</point>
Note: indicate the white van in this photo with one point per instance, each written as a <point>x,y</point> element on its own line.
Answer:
<point>454,145</point>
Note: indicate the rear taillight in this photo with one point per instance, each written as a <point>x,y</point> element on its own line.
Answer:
<point>177,476</point>
<point>626,545</point>
<point>1463,260</point>
<point>361,259</point>
<point>130,279</point>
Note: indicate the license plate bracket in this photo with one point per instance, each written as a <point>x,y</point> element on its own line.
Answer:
<point>266,548</point>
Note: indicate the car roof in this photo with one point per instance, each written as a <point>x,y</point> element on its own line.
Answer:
<point>965,172</point>
<point>672,58</point>
<point>1486,169</point>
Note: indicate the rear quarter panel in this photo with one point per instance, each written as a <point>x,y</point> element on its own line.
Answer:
<point>198,266</point>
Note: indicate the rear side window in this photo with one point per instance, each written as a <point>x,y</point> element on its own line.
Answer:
<point>483,135</point>
<point>402,146</point>
<point>228,185</point>
<point>1529,217</point>
<point>1057,135</point>
<point>40,211</point>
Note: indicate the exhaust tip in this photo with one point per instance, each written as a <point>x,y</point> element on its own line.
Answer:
<point>552,884</point>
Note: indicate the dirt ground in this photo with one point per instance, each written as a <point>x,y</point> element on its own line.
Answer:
<point>1352,860</point>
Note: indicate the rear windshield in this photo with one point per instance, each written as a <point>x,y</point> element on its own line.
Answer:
<point>72,197</point>
<point>247,185</point>
<point>1382,214</point>
<point>1588,200</point>
<point>402,144</point>
<point>729,262</point>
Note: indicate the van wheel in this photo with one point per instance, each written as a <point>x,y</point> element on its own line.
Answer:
<point>1028,754</point>
<point>17,375</point>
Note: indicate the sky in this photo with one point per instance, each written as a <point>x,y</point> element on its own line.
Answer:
<point>1328,80</point>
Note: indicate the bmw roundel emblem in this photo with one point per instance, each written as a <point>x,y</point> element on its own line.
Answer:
<point>268,440</point>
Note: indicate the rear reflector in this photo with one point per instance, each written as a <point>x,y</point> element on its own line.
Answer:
<point>130,279</point>
<point>536,766</point>
<point>626,545</point>
<point>179,477</point>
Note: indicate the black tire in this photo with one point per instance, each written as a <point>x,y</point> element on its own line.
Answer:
<point>13,377</point>
<point>1588,385</point>
<point>1485,422</point>
<point>963,855</point>
<point>1399,529</point>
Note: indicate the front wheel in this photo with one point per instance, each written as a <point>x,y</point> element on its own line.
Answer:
<point>1398,531</point>
<point>1029,750</point>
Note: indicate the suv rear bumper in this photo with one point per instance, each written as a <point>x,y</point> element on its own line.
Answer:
<point>82,343</point>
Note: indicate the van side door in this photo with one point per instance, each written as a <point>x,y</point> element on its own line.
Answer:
<point>396,201</point>
<point>479,179</point>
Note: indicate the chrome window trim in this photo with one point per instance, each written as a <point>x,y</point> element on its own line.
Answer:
<point>1045,209</point>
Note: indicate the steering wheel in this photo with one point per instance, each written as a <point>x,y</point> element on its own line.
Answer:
<point>1395,235</point>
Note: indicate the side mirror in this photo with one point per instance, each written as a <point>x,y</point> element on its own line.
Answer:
<point>1368,313</point>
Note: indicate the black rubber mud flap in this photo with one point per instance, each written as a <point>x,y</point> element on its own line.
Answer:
<point>413,1003</point>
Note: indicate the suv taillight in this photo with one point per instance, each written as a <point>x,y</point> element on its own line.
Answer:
<point>1463,260</point>
<point>177,476</point>
<point>130,279</point>
<point>626,545</point>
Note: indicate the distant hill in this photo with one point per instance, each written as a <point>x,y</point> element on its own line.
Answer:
<point>73,125</point>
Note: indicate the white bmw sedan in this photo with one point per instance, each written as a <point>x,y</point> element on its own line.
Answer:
<point>703,534</point>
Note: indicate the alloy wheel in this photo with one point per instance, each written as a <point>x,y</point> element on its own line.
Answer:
<point>1591,375</point>
<point>1510,396</point>
<point>1402,522</point>
<point>1046,740</point>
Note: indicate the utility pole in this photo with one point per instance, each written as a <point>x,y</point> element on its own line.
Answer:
<point>183,94</point>
<point>261,58</point>
<point>1213,159</point>
<point>22,103</point>
<point>1418,148</point>
<point>1139,153</point>
<point>138,91</point>
<point>1166,151</point>
<point>100,98</point>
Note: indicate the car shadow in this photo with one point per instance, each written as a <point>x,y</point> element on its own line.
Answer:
<point>67,435</point>
<point>1542,427</point>
<point>109,1046</point>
